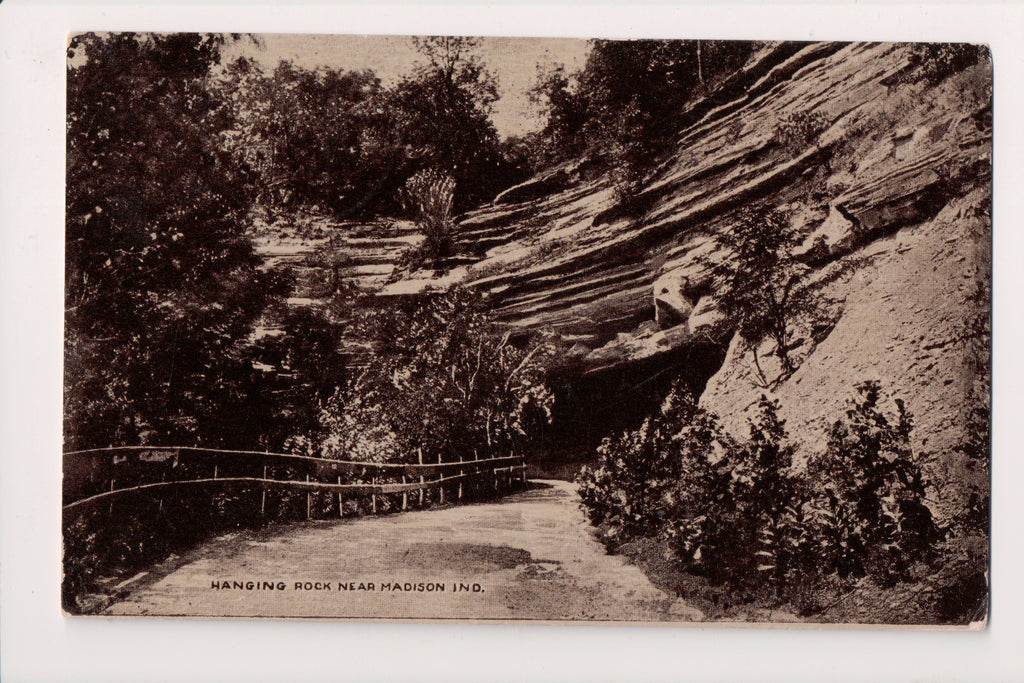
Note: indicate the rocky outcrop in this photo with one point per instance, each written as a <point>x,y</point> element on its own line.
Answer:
<point>889,195</point>
<point>568,262</point>
<point>902,318</point>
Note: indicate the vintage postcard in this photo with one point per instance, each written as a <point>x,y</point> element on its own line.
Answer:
<point>454,328</point>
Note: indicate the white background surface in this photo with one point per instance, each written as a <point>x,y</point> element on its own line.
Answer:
<point>38,644</point>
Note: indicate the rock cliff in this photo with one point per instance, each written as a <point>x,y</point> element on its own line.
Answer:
<point>887,180</point>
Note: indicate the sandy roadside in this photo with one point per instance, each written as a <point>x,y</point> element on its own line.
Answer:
<point>529,556</point>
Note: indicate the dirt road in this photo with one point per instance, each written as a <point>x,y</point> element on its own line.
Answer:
<point>529,556</point>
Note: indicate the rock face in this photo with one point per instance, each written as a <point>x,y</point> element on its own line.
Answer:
<point>890,197</point>
<point>565,261</point>
<point>902,320</point>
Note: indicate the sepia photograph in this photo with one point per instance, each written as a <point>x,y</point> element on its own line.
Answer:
<point>475,329</point>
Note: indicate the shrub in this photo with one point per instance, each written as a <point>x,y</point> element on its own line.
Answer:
<point>429,196</point>
<point>760,283</point>
<point>732,512</point>
<point>934,62</point>
<point>796,132</point>
<point>774,498</point>
<point>739,514</point>
<point>438,379</point>
<point>873,519</point>
<point>629,492</point>
<point>739,517</point>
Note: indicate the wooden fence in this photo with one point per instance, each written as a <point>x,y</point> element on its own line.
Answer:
<point>105,475</point>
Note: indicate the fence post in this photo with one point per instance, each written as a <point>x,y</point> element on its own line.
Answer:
<point>522,471</point>
<point>341,501</point>
<point>263,494</point>
<point>373,495</point>
<point>213,493</point>
<point>405,496</point>
<point>421,476</point>
<point>110,510</point>
<point>440,489</point>
<point>461,474</point>
<point>160,500</point>
<point>308,494</point>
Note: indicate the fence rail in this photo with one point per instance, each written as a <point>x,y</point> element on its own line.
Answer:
<point>106,475</point>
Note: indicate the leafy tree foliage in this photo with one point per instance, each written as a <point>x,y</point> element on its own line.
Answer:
<point>440,383</point>
<point>310,137</point>
<point>759,282</point>
<point>161,287</point>
<point>624,103</point>
<point>300,367</point>
<point>339,140</point>
<point>442,116</point>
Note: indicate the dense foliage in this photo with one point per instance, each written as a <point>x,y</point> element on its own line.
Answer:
<point>874,513</point>
<point>934,62</point>
<point>624,104</point>
<point>161,286</point>
<point>308,137</point>
<point>341,141</point>
<point>739,514</point>
<point>437,383</point>
<point>440,384</point>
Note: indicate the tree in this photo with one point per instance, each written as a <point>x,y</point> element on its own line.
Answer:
<point>565,110</point>
<point>442,118</point>
<point>759,283</point>
<point>310,136</point>
<point>624,104</point>
<point>161,287</point>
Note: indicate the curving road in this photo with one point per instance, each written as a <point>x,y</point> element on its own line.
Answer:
<point>529,556</point>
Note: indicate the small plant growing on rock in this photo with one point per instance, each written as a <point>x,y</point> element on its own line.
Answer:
<point>429,196</point>
<point>796,132</point>
<point>760,284</point>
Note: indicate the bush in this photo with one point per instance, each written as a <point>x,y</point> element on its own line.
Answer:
<point>796,132</point>
<point>873,519</point>
<point>740,519</point>
<point>428,195</point>
<point>732,512</point>
<point>629,492</point>
<point>740,515</point>
<point>439,380</point>
<point>934,62</point>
